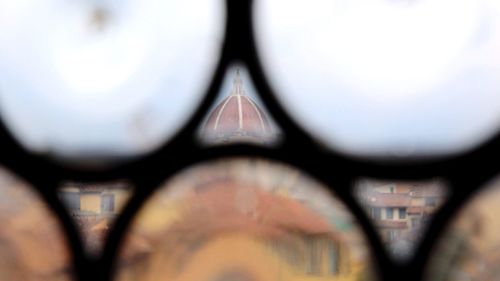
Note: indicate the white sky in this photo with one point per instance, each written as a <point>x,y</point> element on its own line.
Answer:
<point>67,86</point>
<point>376,76</point>
<point>386,76</point>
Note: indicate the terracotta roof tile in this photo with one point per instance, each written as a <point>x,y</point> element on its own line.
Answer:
<point>245,208</point>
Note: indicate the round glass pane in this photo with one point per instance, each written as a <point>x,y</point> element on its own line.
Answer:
<point>32,244</point>
<point>470,248</point>
<point>243,219</point>
<point>83,77</point>
<point>383,77</point>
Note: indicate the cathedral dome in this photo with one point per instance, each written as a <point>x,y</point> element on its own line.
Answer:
<point>236,118</point>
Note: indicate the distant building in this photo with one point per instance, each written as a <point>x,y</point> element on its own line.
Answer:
<point>94,207</point>
<point>237,118</point>
<point>277,237</point>
<point>401,209</point>
<point>95,199</point>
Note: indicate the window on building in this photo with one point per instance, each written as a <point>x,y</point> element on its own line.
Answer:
<point>333,261</point>
<point>314,257</point>
<point>393,234</point>
<point>402,213</point>
<point>430,201</point>
<point>71,200</point>
<point>389,213</point>
<point>107,203</point>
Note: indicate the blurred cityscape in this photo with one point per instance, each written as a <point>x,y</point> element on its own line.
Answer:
<point>94,208</point>
<point>400,211</point>
<point>470,248</point>
<point>32,245</point>
<point>244,219</point>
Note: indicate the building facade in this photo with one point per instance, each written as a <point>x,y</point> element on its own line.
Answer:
<point>400,210</point>
<point>94,207</point>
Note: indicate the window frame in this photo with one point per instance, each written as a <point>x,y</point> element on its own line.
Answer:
<point>298,149</point>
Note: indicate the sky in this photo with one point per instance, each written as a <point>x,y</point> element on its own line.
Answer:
<point>70,86</point>
<point>386,77</point>
<point>363,76</point>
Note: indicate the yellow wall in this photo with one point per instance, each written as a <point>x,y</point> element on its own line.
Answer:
<point>90,202</point>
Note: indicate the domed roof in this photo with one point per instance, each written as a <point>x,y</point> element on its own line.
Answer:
<point>237,117</point>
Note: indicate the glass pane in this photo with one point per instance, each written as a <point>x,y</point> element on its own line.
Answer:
<point>32,244</point>
<point>83,79</point>
<point>386,78</point>
<point>238,115</point>
<point>470,248</point>
<point>401,211</point>
<point>94,207</point>
<point>243,219</point>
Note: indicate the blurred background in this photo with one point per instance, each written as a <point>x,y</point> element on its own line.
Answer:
<point>100,81</point>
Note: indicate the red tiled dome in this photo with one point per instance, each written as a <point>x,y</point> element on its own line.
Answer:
<point>237,117</point>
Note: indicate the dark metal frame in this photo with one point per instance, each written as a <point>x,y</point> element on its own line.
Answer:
<point>465,173</point>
